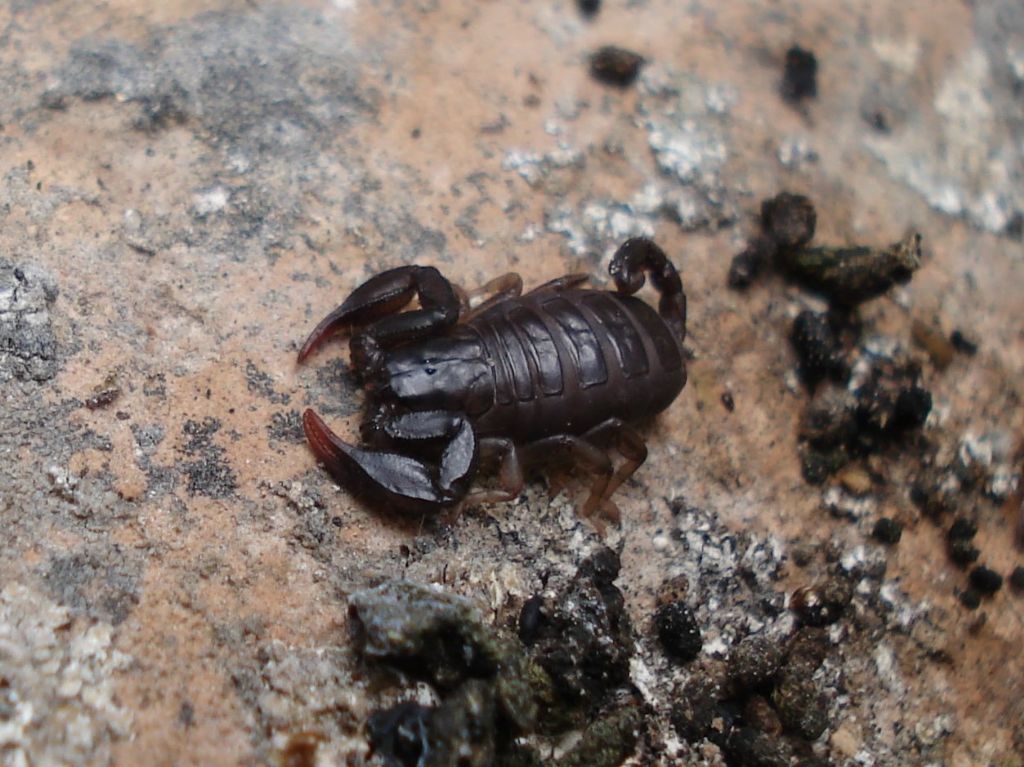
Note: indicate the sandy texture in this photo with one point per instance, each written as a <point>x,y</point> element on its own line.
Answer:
<point>187,187</point>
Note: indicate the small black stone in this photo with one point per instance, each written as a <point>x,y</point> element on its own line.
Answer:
<point>963,344</point>
<point>612,65</point>
<point>985,580</point>
<point>817,347</point>
<point>962,529</point>
<point>800,80</point>
<point>748,746</point>
<point>530,618</point>
<point>913,405</point>
<point>589,7</point>
<point>400,734</point>
<point>962,552</point>
<point>602,567</point>
<point>748,264</point>
<point>888,531</point>
<point>1017,579</point>
<point>754,662</point>
<point>970,599</point>
<point>789,220</point>
<point>678,631</point>
<point>823,604</point>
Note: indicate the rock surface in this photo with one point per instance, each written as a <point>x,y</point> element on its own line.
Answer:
<point>187,187</point>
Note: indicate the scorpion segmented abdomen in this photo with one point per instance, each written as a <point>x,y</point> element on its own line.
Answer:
<point>565,361</point>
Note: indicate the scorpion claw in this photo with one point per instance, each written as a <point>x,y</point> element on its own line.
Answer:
<point>398,480</point>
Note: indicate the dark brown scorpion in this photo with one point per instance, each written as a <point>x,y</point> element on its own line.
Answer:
<point>517,379</point>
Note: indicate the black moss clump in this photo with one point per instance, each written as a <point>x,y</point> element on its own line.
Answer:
<point>888,531</point>
<point>818,348</point>
<point>789,220</point>
<point>963,552</point>
<point>970,599</point>
<point>487,686</point>
<point>616,66</point>
<point>962,343</point>
<point>1017,579</point>
<point>985,580</point>
<point>766,707</point>
<point>800,78</point>
<point>749,746</point>
<point>748,264</point>
<point>678,631</point>
<point>583,640</point>
<point>958,542</point>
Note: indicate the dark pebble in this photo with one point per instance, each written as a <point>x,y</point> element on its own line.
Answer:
<point>612,65</point>
<point>400,733</point>
<point>1017,579</point>
<point>824,603</point>
<point>963,344</point>
<point>753,748</point>
<point>913,405</point>
<point>888,531</point>
<point>697,710</point>
<point>759,714</point>
<point>748,264</point>
<point>589,7</point>
<point>970,599</point>
<point>800,80</point>
<point>678,631</point>
<point>816,346</point>
<point>602,567</point>
<point>963,529</point>
<point>985,580</point>
<point>530,618</point>
<point>789,220</point>
<point>963,552</point>
<point>802,707</point>
<point>754,662</point>
<point>807,650</point>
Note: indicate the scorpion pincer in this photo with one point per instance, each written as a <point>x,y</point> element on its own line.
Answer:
<point>562,370</point>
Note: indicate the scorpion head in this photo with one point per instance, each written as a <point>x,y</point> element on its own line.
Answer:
<point>449,373</point>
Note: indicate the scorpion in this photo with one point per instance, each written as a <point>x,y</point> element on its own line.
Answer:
<point>500,377</point>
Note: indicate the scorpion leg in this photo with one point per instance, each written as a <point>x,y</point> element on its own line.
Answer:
<point>638,255</point>
<point>564,282</point>
<point>581,451</point>
<point>510,472</point>
<point>384,295</point>
<point>392,478</point>
<point>492,292</point>
<point>628,443</point>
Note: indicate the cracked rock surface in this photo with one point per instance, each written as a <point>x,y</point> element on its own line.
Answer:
<point>187,187</point>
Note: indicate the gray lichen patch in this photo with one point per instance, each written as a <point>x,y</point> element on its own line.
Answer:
<point>101,582</point>
<point>28,348</point>
<point>209,473</point>
<point>57,701</point>
<point>259,84</point>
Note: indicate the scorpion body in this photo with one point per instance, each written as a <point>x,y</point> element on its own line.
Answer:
<point>561,369</point>
<point>563,363</point>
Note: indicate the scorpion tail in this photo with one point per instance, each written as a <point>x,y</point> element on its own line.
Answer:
<point>638,256</point>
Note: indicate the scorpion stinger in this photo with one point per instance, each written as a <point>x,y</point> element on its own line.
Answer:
<point>640,254</point>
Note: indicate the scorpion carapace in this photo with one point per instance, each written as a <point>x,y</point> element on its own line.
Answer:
<point>514,380</point>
